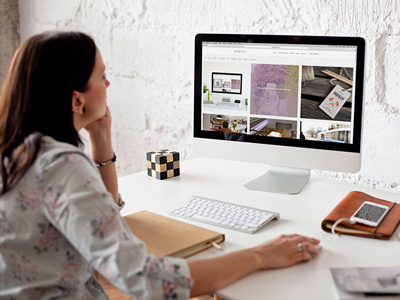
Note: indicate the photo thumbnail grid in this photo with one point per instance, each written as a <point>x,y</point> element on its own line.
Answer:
<point>281,101</point>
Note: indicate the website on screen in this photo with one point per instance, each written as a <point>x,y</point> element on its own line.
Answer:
<point>279,90</point>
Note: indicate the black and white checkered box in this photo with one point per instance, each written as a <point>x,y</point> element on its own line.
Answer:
<point>163,164</point>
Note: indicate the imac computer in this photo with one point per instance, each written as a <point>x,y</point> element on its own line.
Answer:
<point>292,102</point>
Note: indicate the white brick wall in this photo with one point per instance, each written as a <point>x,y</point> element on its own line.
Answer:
<point>9,37</point>
<point>148,49</point>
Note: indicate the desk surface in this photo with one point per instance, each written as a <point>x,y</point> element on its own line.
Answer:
<point>302,213</point>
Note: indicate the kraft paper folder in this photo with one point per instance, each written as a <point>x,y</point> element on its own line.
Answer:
<point>348,206</point>
<point>165,236</point>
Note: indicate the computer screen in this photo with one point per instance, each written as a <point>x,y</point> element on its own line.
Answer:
<point>294,102</point>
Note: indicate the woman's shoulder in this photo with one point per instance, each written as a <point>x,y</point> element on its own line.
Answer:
<point>51,150</point>
<point>52,147</point>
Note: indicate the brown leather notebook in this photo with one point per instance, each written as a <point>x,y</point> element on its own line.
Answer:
<point>165,236</point>
<point>348,206</point>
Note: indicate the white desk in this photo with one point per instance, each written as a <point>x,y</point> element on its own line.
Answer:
<point>302,213</point>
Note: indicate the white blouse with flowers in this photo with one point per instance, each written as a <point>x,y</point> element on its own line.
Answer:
<point>59,223</point>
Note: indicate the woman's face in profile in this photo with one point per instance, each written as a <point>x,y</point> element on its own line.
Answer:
<point>96,95</point>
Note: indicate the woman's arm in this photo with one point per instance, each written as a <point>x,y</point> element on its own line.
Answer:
<point>102,151</point>
<point>215,273</point>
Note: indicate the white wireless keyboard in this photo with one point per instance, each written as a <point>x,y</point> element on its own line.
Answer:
<point>224,214</point>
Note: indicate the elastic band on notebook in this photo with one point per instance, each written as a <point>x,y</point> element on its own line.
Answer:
<point>340,221</point>
<point>216,246</point>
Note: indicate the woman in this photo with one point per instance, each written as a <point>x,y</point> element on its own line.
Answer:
<point>58,219</point>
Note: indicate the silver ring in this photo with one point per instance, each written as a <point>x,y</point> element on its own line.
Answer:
<point>300,247</point>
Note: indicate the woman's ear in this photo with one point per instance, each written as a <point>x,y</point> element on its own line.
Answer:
<point>78,102</point>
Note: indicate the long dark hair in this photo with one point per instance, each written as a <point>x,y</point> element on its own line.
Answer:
<point>36,98</point>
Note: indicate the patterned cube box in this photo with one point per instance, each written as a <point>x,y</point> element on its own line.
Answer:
<point>163,164</point>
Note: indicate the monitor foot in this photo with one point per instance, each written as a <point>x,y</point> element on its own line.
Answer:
<point>282,180</point>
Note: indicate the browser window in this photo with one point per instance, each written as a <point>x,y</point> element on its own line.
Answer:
<point>289,91</point>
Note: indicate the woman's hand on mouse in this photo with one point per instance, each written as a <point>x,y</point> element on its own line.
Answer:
<point>286,250</point>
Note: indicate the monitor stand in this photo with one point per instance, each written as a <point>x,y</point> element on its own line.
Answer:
<point>280,180</point>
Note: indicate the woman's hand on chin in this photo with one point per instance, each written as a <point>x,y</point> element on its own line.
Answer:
<point>100,138</point>
<point>101,128</point>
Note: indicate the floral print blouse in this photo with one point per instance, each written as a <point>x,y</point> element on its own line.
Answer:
<point>59,224</point>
